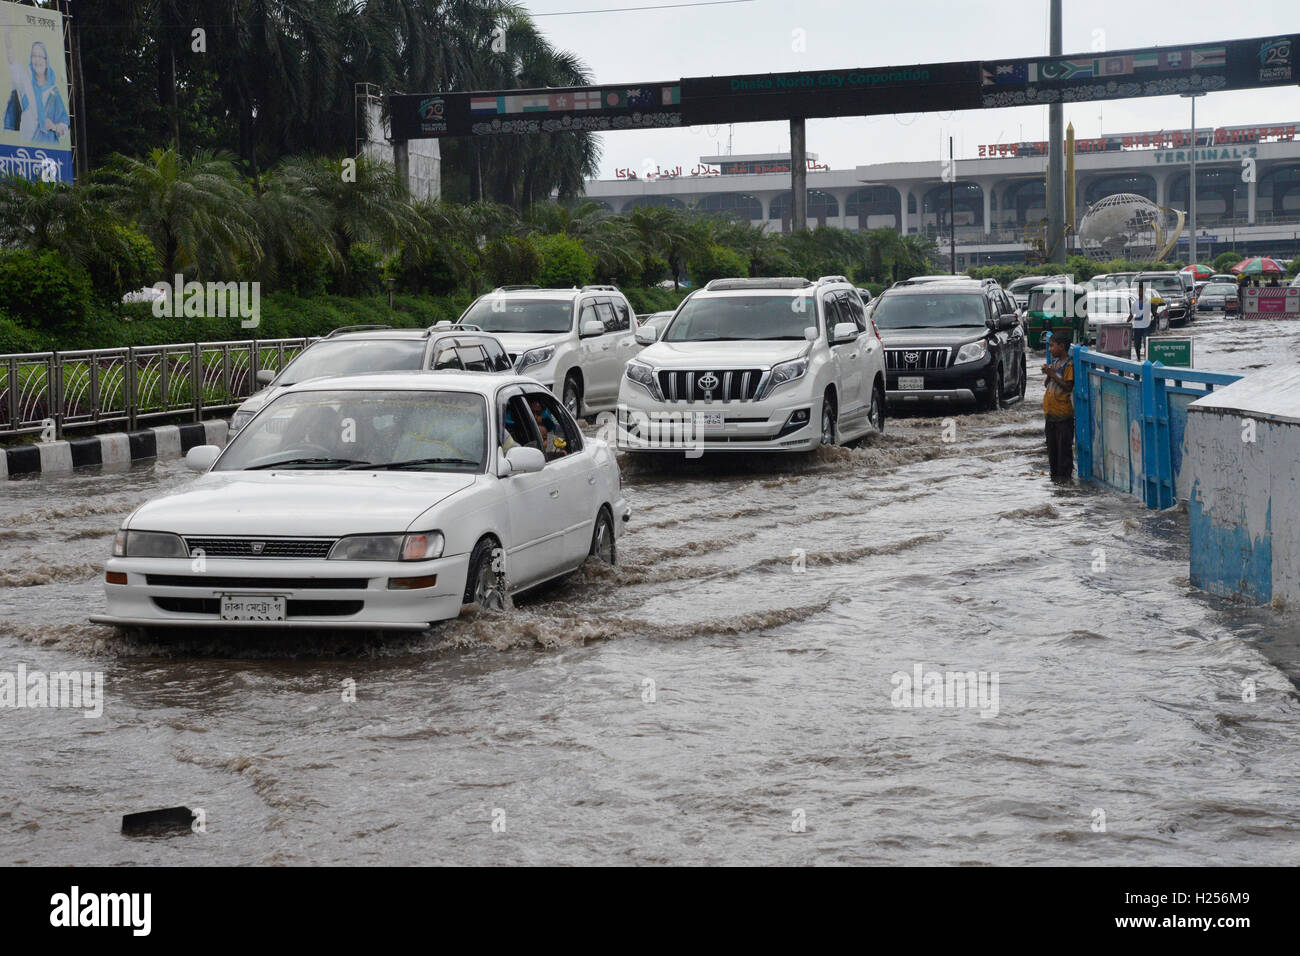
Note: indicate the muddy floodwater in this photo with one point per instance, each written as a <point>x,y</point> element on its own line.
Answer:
<point>726,695</point>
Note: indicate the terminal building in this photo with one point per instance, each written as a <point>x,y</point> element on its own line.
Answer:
<point>999,196</point>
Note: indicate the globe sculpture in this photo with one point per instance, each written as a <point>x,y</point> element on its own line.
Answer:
<point>1129,226</point>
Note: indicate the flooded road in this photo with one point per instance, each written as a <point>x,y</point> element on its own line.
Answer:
<point>726,695</point>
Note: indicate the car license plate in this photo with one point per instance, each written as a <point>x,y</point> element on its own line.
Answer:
<point>911,382</point>
<point>708,419</point>
<point>251,607</point>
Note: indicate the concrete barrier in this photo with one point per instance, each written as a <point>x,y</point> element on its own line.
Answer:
<point>1242,448</point>
<point>118,450</point>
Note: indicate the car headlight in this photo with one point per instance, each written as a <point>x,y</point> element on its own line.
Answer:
<point>388,547</point>
<point>535,357</point>
<point>785,373</point>
<point>148,544</point>
<point>971,352</point>
<point>642,374</point>
<point>239,420</point>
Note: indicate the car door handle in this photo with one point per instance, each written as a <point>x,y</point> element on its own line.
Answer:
<point>555,492</point>
<point>591,479</point>
<point>853,355</point>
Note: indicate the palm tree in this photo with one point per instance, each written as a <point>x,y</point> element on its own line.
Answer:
<point>197,212</point>
<point>610,239</point>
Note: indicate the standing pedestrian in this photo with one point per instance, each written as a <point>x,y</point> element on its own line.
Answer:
<point>1058,408</point>
<point>1142,311</point>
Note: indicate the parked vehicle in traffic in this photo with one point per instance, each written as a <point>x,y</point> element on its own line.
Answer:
<point>573,341</point>
<point>922,280</point>
<point>1057,307</point>
<point>381,501</point>
<point>378,348</point>
<point>1167,291</point>
<point>747,365</point>
<point>1020,288</point>
<point>1219,297</point>
<point>952,342</point>
<point>1110,305</point>
<point>654,320</point>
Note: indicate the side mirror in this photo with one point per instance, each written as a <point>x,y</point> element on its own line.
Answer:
<point>646,335</point>
<point>810,333</point>
<point>590,329</point>
<point>523,461</point>
<point>265,376</point>
<point>1008,320</point>
<point>201,457</point>
<point>844,332</point>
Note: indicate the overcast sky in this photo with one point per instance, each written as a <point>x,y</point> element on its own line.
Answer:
<point>756,37</point>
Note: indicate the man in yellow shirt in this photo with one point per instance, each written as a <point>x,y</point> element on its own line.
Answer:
<point>1058,408</point>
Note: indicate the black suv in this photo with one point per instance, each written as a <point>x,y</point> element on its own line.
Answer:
<point>951,342</point>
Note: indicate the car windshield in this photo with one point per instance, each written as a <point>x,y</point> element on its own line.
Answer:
<point>1164,284</point>
<point>938,310</point>
<point>363,428</point>
<point>498,313</point>
<point>743,318</point>
<point>327,359</point>
<point>1024,285</point>
<point>1219,288</point>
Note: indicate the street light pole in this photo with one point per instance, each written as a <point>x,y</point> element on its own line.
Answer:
<point>1191,201</point>
<point>1055,151</point>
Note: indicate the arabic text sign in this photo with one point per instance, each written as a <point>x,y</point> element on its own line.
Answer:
<point>35,130</point>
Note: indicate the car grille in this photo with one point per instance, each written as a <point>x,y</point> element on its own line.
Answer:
<point>214,583</point>
<point>292,609</point>
<point>270,547</point>
<point>732,385</point>
<point>905,360</point>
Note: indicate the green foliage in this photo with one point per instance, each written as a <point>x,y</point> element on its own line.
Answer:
<point>653,298</point>
<point>1293,268</point>
<point>365,275</point>
<point>43,290</point>
<point>508,260</point>
<point>716,262</point>
<point>129,264</point>
<point>1224,261</point>
<point>564,261</point>
<point>19,338</point>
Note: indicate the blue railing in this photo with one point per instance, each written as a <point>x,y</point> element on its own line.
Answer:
<point>1129,419</point>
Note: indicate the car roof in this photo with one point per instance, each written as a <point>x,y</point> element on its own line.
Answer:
<point>481,383</point>
<point>969,287</point>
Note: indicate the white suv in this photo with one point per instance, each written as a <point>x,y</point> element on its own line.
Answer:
<point>573,341</point>
<point>757,365</point>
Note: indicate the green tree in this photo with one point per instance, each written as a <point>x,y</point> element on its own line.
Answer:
<point>564,261</point>
<point>1226,260</point>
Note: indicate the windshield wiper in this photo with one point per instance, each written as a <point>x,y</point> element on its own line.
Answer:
<point>412,463</point>
<point>307,461</point>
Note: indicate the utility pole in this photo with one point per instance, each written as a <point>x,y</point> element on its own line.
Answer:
<point>1056,153</point>
<point>1191,185</point>
<point>952,212</point>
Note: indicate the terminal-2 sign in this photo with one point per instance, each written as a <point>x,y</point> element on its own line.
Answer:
<point>866,91</point>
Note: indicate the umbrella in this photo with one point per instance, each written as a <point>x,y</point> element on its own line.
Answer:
<point>1198,271</point>
<point>1259,265</point>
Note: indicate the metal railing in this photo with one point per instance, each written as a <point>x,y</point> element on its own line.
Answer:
<point>87,388</point>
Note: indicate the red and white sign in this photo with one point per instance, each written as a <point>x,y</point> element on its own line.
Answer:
<point>1270,302</point>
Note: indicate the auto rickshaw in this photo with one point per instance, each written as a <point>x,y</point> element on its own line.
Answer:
<point>1057,307</point>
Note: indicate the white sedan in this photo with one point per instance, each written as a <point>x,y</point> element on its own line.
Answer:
<point>382,501</point>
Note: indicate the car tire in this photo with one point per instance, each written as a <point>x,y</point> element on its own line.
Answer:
<point>571,396</point>
<point>483,585</point>
<point>876,413</point>
<point>826,435</point>
<point>994,400</point>
<point>603,546</point>
<point>1024,378</point>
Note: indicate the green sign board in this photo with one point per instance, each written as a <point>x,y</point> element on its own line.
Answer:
<point>1173,351</point>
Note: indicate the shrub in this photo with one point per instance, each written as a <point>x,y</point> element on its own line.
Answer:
<point>717,262</point>
<point>1226,260</point>
<point>510,261</point>
<point>42,290</point>
<point>564,260</point>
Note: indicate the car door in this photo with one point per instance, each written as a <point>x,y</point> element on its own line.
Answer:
<point>608,367</point>
<point>590,355</point>
<point>848,368</point>
<point>871,357</point>
<point>572,469</point>
<point>625,334</point>
<point>536,528</point>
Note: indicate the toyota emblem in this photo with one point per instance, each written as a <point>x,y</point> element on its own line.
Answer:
<point>911,358</point>
<point>708,381</point>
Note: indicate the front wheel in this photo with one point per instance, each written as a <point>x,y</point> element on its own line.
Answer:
<point>1024,378</point>
<point>828,420</point>
<point>602,539</point>
<point>572,396</point>
<point>876,414</point>
<point>994,400</point>
<point>485,585</point>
